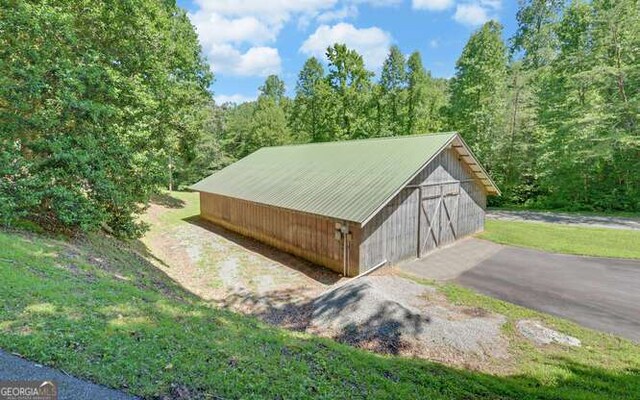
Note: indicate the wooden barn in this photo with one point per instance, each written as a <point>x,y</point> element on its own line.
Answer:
<point>353,205</point>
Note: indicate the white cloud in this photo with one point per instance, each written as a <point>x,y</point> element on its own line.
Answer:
<point>273,11</point>
<point>434,43</point>
<point>215,29</point>
<point>233,98</point>
<point>378,3</point>
<point>257,61</point>
<point>372,43</point>
<point>349,11</point>
<point>432,5</point>
<point>471,14</point>
<point>493,4</point>
<point>477,13</point>
<point>260,61</point>
<point>234,34</point>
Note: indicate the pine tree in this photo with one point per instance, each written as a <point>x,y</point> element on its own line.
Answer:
<point>478,91</point>
<point>311,118</point>
<point>393,82</point>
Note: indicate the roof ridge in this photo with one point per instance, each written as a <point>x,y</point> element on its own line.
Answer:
<point>351,141</point>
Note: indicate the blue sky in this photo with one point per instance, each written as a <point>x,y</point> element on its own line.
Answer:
<point>246,40</point>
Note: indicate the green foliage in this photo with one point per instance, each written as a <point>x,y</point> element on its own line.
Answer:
<point>588,109</point>
<point>393,81</point>
<point>478,91</point>
<point>426,98</point>
<point>312,118</point>
<point>273,89</point>
<point>351,84</point>
<point>103,105</point>
<point>94,99</point>
<point>250,126</point>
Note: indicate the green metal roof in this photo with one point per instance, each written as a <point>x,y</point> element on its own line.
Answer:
<point>348,180</point>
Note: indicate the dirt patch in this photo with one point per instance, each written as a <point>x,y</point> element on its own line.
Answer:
<point>231,270</point>
<point>228,272</point>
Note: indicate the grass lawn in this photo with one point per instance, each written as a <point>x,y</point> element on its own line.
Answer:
<point>556,238</point>
<point>100,311</point>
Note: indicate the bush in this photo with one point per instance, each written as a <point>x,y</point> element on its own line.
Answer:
<point>92,102</point>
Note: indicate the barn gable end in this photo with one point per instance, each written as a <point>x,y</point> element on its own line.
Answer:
<point>444,202</point>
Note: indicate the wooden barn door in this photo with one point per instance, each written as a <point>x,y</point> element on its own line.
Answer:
<point>438,215</point>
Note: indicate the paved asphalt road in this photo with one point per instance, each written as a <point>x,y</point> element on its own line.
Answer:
<point>599,293</point>
<point>69,388</point>
<point>593,221</point>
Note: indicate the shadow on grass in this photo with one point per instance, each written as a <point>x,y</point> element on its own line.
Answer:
<point>313,271</point>
<point>166,200</point>
<point>148,336</point>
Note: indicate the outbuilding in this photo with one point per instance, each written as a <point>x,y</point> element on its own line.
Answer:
<point>353,205</point>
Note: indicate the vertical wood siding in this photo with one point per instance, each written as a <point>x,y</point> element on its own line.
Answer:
<point>392,235</point>
<point>305,235</point>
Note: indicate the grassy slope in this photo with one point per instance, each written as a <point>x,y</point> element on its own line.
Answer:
<point>556,238</point>
<point>100,311</point>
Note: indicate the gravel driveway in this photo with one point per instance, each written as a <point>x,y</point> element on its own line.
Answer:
<point>394,315</point>
<point>595,221</point>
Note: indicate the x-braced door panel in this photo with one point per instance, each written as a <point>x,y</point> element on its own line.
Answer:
<point>438,215</point>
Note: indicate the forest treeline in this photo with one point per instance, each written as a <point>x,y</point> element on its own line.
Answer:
<point>101,107</point>
<point>552,112</point>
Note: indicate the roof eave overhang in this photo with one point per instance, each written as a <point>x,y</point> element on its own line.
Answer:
<point>474,165</point>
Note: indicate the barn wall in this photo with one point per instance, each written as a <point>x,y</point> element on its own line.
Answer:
<point>305,235</point>
<point>392,234</point>
<point>473,199</point>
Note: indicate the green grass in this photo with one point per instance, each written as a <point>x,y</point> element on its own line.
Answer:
<point>184,205</point>
<point>102,312</point>
<point>556,238</point>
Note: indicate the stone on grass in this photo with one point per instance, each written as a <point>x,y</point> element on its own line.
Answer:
<point>536,332</point>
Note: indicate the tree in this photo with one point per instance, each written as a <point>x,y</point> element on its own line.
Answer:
<point>94,100</point>
<point>478,90</point>
<point>253,125</point>
<point>393,82</point>
<point>273,88</point>
<point>517,151</point>
<point>238,129</point>
<point>590,143</point>
<point>351,82</point>
<point>536,36</point>
<point>311,117</point>
<point>426,98</point>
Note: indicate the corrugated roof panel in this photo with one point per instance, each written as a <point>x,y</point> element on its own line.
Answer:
<point>345,180</point>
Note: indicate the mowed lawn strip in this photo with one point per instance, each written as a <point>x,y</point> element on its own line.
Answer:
<point>557,238</point>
